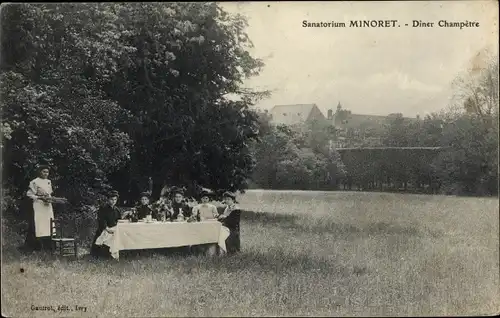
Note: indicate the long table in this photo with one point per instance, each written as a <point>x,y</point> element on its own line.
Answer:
<point>141,235</point>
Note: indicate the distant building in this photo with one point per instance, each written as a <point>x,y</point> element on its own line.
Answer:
<point>295,114</point>
<point>345,119</point>
<point>358,130</point>
<point>350,130</point>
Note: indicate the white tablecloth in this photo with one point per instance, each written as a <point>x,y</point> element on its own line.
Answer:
<point>136,236</point>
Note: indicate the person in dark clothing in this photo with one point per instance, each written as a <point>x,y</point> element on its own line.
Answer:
<point>179,206</point>
<point>144,209</point>
<point>230,218</point>
<point>107,217</point>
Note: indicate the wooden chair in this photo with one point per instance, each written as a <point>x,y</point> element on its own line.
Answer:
<point>67,246</point>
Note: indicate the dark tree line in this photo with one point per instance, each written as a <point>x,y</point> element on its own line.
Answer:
<point>391,169</point>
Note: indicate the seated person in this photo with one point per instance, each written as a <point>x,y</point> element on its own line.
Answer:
<point>107,217</point>
<point>205,210</point>
<point>144,209</point>
<point>180,209</point>
<point>140,211</point>
<point>230,218</point>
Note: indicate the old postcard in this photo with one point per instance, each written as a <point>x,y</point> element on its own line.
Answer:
<point>249,159</point>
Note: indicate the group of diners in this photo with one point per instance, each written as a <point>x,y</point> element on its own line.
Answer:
<point>171,207</point>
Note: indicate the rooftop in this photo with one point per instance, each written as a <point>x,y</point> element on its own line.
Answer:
<point>292,114</point>
<point>348,120</point>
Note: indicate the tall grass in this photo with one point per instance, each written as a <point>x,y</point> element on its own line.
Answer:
<point>304,253</point>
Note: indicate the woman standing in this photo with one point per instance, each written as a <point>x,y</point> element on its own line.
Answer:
<point>231,219</point>
<point>107,217</point>
<point>40,191</point>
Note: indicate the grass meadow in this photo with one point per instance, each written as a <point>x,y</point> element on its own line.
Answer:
<point>303,254</point>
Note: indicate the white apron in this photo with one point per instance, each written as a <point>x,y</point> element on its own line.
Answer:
<point>43,211</point>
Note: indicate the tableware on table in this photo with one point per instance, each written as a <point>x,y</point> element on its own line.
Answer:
<point>192,219</point>
<point>149,218</point>
<point>180,217</point>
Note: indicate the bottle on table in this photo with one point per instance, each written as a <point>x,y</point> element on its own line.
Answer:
<point>180,216</point>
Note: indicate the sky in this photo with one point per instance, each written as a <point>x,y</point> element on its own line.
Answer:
<point>368,70</point>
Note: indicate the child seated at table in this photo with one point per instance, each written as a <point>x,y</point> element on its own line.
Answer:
<point>205,210</point>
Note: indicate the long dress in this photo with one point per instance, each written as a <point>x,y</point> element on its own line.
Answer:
<point>107,217</point>
<point>39,231</point>
<point>232,222</point>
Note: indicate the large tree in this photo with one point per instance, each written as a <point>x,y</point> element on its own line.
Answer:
<point>187,58</point>
<point>115,93</point>
<point>476,90</point>
<point>469,165</point>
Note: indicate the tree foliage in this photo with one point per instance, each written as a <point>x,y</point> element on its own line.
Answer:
<point>470,164</point>
<point>296,158</point>
<point>476,91</point>
<point>111,94</point>
<point>468,161</point>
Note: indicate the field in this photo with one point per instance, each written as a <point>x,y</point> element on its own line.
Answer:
<point>304,253</point>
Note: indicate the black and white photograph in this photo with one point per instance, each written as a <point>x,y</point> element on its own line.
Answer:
<point>236,159</point>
